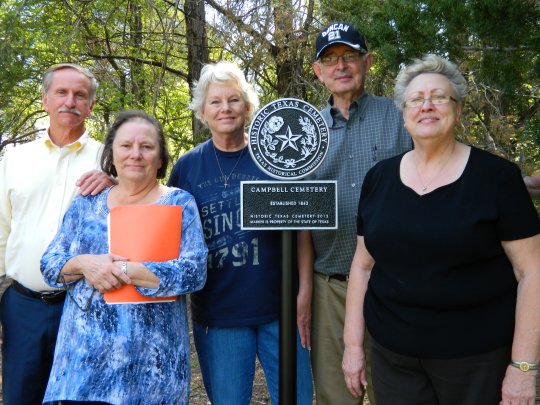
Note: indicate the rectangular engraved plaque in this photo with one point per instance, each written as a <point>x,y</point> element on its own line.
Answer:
<point>279,205</point>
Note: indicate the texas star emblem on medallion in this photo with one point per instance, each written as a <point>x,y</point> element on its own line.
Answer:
<point>288,139</point>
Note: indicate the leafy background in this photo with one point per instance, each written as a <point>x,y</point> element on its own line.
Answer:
<point>147,53</point>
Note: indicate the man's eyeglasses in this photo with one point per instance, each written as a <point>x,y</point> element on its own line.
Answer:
<point>347,57</point>
<point>435,100</point>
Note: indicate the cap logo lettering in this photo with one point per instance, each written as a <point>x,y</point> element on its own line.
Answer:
<point>340,33</point>
<point>334,30</point>
<point>333,35</point>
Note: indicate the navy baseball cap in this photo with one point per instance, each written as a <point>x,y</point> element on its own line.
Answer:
<point>340,33</point>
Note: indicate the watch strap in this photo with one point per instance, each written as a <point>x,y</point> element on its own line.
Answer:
<point>524,366</point>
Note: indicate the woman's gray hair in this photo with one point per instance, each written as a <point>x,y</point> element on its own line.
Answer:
<point>220,73</point>
<point>430,64</point>
<point>48,77</point>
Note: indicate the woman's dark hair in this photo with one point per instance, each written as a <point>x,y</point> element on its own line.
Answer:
<point>107,164</point>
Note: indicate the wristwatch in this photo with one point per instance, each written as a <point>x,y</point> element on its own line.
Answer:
<point>524,366</point>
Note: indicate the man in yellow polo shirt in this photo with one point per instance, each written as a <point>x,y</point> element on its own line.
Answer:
<point>38,182</point>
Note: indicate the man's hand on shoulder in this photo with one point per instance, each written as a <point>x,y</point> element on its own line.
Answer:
<point>94,181</point>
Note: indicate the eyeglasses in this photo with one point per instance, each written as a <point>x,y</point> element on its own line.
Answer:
<point>347,57</point>
<point>67,288</point>
<point>435,100</point>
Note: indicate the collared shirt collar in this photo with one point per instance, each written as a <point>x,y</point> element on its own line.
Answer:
<point>74,146</point>
<point>359,105</point>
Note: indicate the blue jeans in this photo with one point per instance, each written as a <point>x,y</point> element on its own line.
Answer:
<point>227,360</point>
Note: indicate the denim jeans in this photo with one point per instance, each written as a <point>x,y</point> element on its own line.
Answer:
<point>227,360</point>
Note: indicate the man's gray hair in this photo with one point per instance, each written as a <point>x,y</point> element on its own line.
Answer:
<point>48,77</point>
<point>430,64</point>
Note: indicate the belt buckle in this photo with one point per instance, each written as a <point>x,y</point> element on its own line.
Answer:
<point>52,297</point>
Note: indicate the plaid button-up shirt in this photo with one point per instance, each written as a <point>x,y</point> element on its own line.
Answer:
<point>374,131</point>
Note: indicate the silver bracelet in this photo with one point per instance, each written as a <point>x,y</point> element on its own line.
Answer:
<point>123,267</point>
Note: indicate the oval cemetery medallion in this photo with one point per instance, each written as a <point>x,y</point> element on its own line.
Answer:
<point>288,138</point>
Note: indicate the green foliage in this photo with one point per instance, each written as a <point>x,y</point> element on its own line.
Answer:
<point>132,47</point>
<point>138,50</point>
<point>495,43</point>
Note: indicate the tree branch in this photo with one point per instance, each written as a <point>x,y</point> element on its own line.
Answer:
<point>237,21</point>
<point>139,60</point>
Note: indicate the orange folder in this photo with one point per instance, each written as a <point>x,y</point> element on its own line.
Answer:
<point>143,233</point>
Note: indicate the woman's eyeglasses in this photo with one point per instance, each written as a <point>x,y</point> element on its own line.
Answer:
<point>435,100</point>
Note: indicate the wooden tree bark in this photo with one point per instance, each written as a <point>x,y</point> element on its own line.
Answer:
<point>198,55</point>
<point>288,52</point>
<point>136,38</point>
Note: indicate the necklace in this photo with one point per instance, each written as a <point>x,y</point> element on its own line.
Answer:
<point>426,185</point>
<point>226,178</point>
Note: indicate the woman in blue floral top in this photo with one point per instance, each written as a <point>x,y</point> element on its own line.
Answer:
<point>130,353</point>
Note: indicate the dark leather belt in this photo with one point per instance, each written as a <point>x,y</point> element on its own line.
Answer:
<point>49,297</point>
<point>339,277</point>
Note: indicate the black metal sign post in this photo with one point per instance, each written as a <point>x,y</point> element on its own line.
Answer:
<point>288,139</point>
<point>287,325</point>
<point>288,205</point>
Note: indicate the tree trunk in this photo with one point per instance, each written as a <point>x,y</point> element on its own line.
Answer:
<point>198,55</point>
<point>289,63</point>
<point>137,71</point>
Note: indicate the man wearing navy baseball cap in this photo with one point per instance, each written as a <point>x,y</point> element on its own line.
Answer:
<point>364,129</point>
<point>340,33</point>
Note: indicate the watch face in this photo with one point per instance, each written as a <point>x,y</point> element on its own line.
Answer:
<point>524,366</point>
